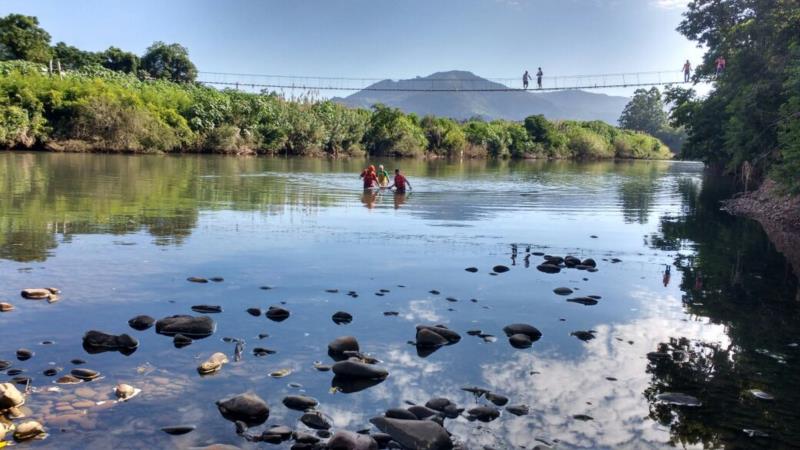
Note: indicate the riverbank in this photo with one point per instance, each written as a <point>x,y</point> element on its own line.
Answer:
<point>97,110</point>
<point>778,214</point>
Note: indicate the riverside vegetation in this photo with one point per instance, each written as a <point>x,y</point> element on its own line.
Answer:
<point>118,102</point>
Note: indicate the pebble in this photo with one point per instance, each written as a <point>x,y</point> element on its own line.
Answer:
<point>299,402</point>
<point>24,354</point>
<point>471,269</point>
<point>217,279</point>
<point>4,364</point>
<point>518,410</point>
<point>207,309</point>
<point>261,351</point>
<point>280,373</point>
<point>255,312</point>
<point>340,345</point>
<point>484,413</point>
<point>500,269</point>
<point>10,396</point>
<point>341,317</point>
<point>586,301</point>
<point>180,341</point>
<point>124,391</point>
<point>68,379</point>
<point>582,417</point>
<point>50,372</point>
<point>315,420</point>
<point>277,314</point>
<point>497,399</point>
<point>85,374</point>
<point>548,268</point>
<point>197,280</point>
<point>6,307</point>
<point>248,407</point>
<point>563,291</point>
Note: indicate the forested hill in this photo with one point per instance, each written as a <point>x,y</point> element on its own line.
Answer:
<point>575,105</point>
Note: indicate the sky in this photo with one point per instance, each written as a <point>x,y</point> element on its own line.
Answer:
<point>383,38</point>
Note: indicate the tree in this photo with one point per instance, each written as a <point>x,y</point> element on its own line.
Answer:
<point>119,60</point>
<point>22,38</point>
<point>645,112</point>
<point>169,62</point>
<point>73,58</point>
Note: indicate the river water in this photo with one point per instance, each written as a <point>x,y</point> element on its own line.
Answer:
<point>119,235</point>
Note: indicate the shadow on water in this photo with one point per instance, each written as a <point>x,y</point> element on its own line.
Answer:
<point>733,276</point>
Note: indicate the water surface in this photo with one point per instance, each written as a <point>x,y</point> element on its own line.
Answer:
<point>119,235</point>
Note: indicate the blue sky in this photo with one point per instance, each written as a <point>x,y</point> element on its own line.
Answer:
<point>383,38</point>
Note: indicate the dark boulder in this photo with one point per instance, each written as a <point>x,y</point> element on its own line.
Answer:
<point>484,413</point>
<point>207,309</point>
<point>194,327</point>
<point>400,413</point>
<point>98,342</point>
<point>347,440</point>
<point>548,268</point>
<point>141,323</point>
<point>589,262</point>
<point>180,341</point>
<point>521,328</point>
<point>340,345</point>
<point>299,402</point>
<point>497,399</point>
<point>416,434</point>
<point>520,340</point>
<point>341,317</point>
<point>429,338</point>
<point>500,269</point>
<point>563,291</point>
<point>249,408</point>
<point>451,336</point>
<point>357,369</point>
<point>277,314</point>
<point>586,301</point>
<point>315,420</point>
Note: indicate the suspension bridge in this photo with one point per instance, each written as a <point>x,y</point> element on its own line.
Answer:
<point>317,84</point>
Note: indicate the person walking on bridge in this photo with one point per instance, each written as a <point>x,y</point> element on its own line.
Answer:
<point>525,78</point>
<point>539,76</point>
<point>687,71</point>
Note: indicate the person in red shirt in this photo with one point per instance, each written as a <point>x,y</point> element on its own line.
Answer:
<point>370,177</point>
<point>400,182</point>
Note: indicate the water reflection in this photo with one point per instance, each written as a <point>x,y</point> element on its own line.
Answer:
<point>120,235</point>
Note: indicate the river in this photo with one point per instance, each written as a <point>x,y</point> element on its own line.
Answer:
<point>699,302</point>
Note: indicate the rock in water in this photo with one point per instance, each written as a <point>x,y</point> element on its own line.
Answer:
<point>341,317</point>
<point>249,408</point>
<point>299,402</point>
<point>277,314</point>
<point>28,430</point>
<point>585,336</point>
<point>178,430</point>
<point>141,323</point>
<point>518,410</point>
<point>10,396</point>
<point>191,326</point>
<point>24,354</point>
<point>589,262</point>
<point>497,399</point>
<point>38,293</point>
<point>255,312</point>
<point>586,301</point>
<point>315,420</point>
<point>207,309</point>
<point>500,269</point>
<point>98,342</point>
<point>85,374</point>
<point>197,280</point>
<point>416,434</point>
<point>357,369</point>
<point>520,340</point>
<point>212,364</point>
<point>347,440</point>
<point>180,341</point>
<point>548,268</point>
<point>124,391</point>
<point>521,328</point>
<point>340,345</point>
<point>428,338</point>
<point>563,291</point>
<point>451,336</point>
<point>484,413</point>
<point>471,269</point>
<point>6,307</point>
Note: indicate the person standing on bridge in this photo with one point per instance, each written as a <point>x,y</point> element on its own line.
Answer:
<point>525,78</point>
<point>539,76</point>
<point>687,71</point>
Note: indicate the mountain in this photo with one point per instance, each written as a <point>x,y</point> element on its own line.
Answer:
<point>510,105</point>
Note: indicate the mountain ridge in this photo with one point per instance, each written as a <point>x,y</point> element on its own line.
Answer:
<point>488,105</point>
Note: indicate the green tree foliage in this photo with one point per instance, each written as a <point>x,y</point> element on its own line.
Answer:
<point>22,38</point>
<point>119,60</point>
<point>645,112</point>
<point>445,136</point>
<point>745,118</point>
<point>390,132</point>
<point>73,58</point>
<point>169,62</point>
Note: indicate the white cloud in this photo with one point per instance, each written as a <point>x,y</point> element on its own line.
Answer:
<point>671,4</point>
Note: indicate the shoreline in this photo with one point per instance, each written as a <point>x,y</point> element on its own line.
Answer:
<point>778,214</point>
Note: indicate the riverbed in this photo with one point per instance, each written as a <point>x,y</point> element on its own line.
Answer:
<point>690,300</point>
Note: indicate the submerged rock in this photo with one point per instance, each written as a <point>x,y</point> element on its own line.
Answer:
<point>180,341</point>
<point>124,391</point>
<point>586,301</point>
<point>255,312</point>
<point>249,408</point>
<point>518,410</point>
<point>449,335</point>
<point>416,434</point>
<point>347,440</point>
<point>548,268</point>
<point>497,399</point>
<point>68,379</point>
<point>400,413</point>
<point>195,327</point>
<point>471,269</point>
<point>141,323</point>
<point>500,269</point>
<point>276,434</point>
<point>585,336</point>
<point>521,328</point>
<point>178,430</point>
<point>582,417</point>
<point>261,351</point>
<point>98,342</point>
<point>6,307</point>
<point>428,338</point>
<point>589,262</point>
<point>563,291</point>
<point>24,354</point>
<point>40,293</point>
<point>277,314</point>
<point>207,309</point>
<point>197,280</point>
